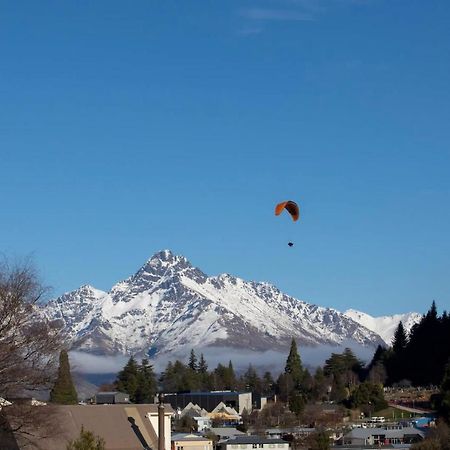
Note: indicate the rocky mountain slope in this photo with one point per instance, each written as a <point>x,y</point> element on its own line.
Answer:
<point>168,305</point>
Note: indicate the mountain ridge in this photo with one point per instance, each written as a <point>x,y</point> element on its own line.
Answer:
<point>169,304</point>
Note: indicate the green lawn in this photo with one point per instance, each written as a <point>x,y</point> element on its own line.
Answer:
<point>393,413</point>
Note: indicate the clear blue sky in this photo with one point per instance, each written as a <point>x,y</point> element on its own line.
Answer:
<point>130,127</point>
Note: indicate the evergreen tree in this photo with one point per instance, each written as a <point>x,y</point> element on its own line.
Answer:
<point>229,377</point>
<point>296,403</point>
<point>86,441</point>
<point>267,383</point>
<point>250,380</point>
<point>400,340</point>
<point>202,366</point>
<point>368,394</point>
<point>294,364</point>
<point>146,383</point>
<point>284,386</point>
<point>205,379</point>
<point>192,361</point>
<point>127,379</point>
<point>63,391</point>
<point>444,409</point>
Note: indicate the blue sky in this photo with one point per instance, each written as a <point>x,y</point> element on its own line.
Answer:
<point>130,127</point>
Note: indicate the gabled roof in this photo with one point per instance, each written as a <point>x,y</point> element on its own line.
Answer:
<point>188,437</point>
<point>124,427</point>
<point>364,433</point>
<point>222,408</point>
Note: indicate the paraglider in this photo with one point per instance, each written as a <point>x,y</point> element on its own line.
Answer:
<point>292,208</point>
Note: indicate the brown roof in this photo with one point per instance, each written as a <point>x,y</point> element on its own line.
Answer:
<point>123,427</point>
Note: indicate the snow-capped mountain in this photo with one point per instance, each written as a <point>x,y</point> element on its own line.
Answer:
<point>384,326</point>
<point>169,305</point>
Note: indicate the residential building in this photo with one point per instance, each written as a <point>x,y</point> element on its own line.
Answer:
<point>111,398</point>
<point>253,442</point>
<point>124,427</point>
<point>181,441</point>
<point>224,433</point>
<point>296,432</point>
<point>209,400</point>
<point>203,423</point>
<point>383,436</point>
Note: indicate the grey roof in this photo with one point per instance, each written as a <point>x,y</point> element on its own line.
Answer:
<point>188,437</point>
<point>209,393</point>
<point>253,439</point>
<point>290,430</point>
<point>364,433</point>
<point>226,431</point>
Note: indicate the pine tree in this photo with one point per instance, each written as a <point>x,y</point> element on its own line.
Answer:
<point>202,366</point>
<point>192,361</point>
<point>444,409</point>
<point>251,380</point>
<point>127,379</point>
<point>267,383</point>
<point>63,391</point>
<point>86,441</point>
<point>146,383</point>
<point>400,340</point>
<point>205,379</point>
<point>294,364</point>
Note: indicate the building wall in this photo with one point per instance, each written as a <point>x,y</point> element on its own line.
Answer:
<point>245,401</point>
<point>191,445</point>
<point>153,417</point>
<point>256,446</point>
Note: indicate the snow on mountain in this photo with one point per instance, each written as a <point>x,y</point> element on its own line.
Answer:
<point>384,326</point>
<point>169,305</point>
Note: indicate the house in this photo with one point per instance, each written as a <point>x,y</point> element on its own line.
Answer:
<point>292,432</point>
<point>224,433</point>
<point>111,398</point>
<point>225,414</point>
<point>123,427</point>
<point>203,423</point>
<point>252,442</point>
<point>383,436</point>
<point>209,400</point>
<point>182,441</point>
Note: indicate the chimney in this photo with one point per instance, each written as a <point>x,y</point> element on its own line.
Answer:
<point>161,437</point>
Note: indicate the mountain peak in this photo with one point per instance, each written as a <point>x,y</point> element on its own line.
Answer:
<point>164,262</point>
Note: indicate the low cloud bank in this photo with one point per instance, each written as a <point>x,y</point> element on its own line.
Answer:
<point>273,361</point>
<point>87,363</point>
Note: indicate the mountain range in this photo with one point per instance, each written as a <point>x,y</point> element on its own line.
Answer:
<point>169,306</point>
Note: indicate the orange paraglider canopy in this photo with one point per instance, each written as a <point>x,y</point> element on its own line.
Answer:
<point>291,207</point>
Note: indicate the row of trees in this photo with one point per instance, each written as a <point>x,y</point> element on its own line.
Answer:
<point>421,355</point>
<point>342,380</point>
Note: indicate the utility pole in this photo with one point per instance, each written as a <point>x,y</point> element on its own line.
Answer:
<point>161,437</point>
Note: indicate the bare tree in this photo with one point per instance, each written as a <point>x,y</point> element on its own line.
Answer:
<point>29,347</point>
